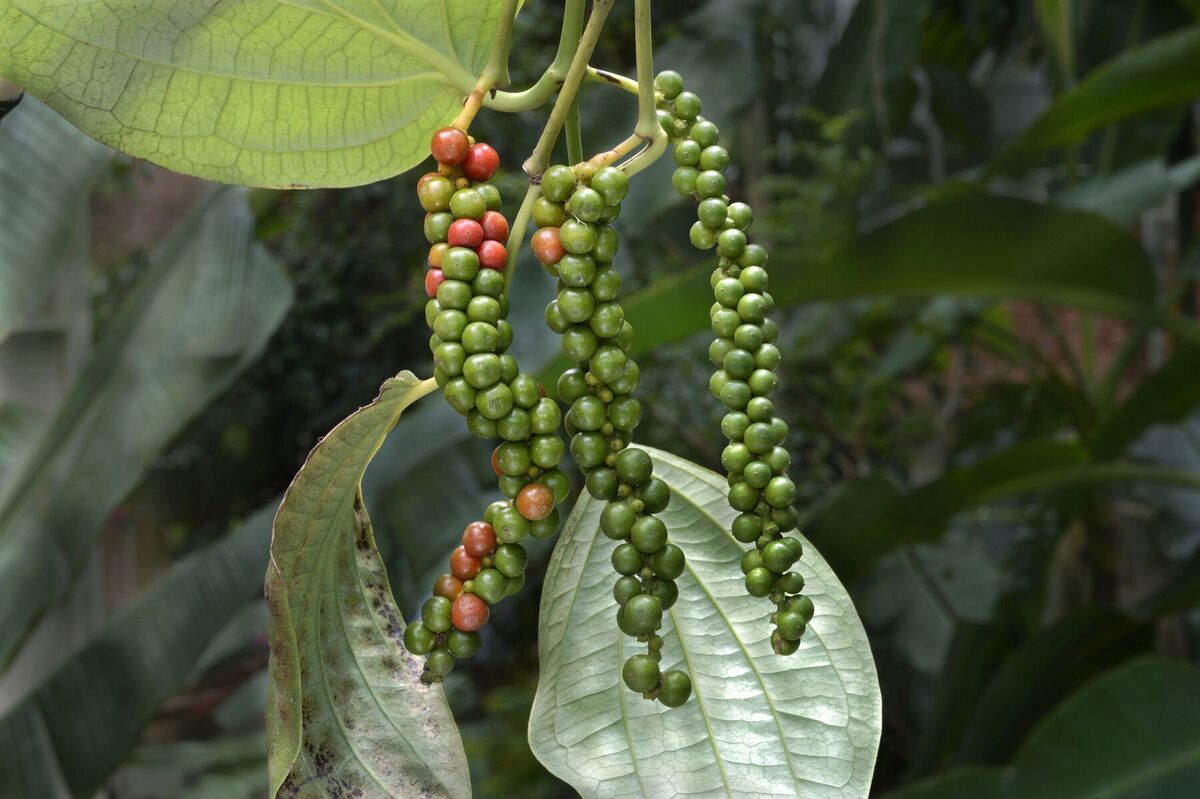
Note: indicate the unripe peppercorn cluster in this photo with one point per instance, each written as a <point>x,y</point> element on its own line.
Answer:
<point>575,244</point>
<point>467,312</point>
<point>746,358</point>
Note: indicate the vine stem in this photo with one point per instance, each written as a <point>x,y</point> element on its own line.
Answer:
<point>495,72</point>
<point>516,238</point>
<point>612,79</point>
<point>536,164</point>
<point>648,127</point>
<point>574,135</point>
<point>540,92</point>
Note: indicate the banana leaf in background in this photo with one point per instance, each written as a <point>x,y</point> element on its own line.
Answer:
<point>47,169</point>
<point>202,312</point>
<point>200,315</point>
<point>84,720</point>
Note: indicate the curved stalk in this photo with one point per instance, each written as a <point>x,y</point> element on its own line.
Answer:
<point>536,164</point>
<point>612,79</point>
<point>574,135</point>
<point>540,92</point>
<point>516,238</point>
<point>495,72</point>
<point>648,127</point>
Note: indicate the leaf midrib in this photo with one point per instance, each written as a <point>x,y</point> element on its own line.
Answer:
<point>733,632</point>
<point>413,393</point>
<point>715,484</point>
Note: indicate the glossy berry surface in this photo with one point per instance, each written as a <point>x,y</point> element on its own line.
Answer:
<point>450,146</point>
<point>469,613</point>
<point>481,162</point>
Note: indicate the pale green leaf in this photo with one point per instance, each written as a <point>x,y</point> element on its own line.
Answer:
<point>346,709</point>
<point>1134,732</point>
<point>46,169</point>
<point>19,428</point>
<point>1158,74</point>
<point>199,316</point>
<point>757,725</point>
<point>283,93</point>
<point>65,738</point>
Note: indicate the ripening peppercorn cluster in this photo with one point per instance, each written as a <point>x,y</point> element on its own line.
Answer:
<point>466,311</point>
<point>576,244</point>
<point>746,358</point>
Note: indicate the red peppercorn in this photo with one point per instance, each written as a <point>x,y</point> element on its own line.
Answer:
<point>496,462</point>
<point>492,255</point>
<point>535,502</point>
<point>465,233</point>
<point>436,252</point>
<point>448,586</point>
<point>481,162</point>
<point>433,279</point>
<point>469,613</point>
<point>450,146</point>
<point>463,565</point>
<point>479,539</point>
<point>547,246</point>
<point>495,227</point>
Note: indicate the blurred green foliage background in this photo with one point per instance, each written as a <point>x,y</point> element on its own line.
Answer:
<point>987,257</point>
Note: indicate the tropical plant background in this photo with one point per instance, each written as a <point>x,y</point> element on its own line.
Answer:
<point>985,225</point>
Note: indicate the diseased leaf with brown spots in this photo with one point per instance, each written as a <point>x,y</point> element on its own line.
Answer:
<point>347,715</point>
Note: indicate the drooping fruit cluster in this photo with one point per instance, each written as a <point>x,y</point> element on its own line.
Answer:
<point>746,358</point>
<point>576,244</point>
<point>466,311</point>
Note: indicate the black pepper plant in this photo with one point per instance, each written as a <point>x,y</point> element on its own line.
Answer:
<point>639,594</point>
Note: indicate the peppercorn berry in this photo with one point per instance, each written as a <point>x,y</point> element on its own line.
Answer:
<point>746,359</point>
<point>466,312</point>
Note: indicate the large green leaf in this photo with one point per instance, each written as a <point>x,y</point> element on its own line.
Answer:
<point>46,167</point>
<point>65,738</point>
<point>19,428</point>
<point>1161,73</point>
<point>199,315</point>
<point>869,70</point>
<point>861,521</point>
<point>1048,666</point>
<point>1165,396</point>
<point>985,246</point>
<point>284,93</point>
<point>1124,196</point>
<point>757,725</point>
<point>1133,733</point>
<point>347,713</point>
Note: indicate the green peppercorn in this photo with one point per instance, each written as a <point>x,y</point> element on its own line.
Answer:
<point>419,639</point>
<point>439,662</point>
<point>640,673</point>
<point>490,585</point>
<point>675,689</point>
<point>626,559</point>
<point>558,183</point>
<point>462,644</point>
<point>643,613</point>
<point>669,83</point>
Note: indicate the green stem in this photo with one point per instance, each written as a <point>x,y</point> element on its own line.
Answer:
<point>648,127</point>
<point>495,72</point>
<point>612,79</point>
<point>574,135</point>
<point>540,92</point>
<point>540,159</point>
<point>516,237</point>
